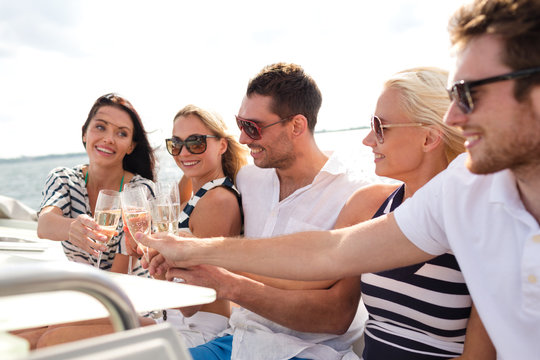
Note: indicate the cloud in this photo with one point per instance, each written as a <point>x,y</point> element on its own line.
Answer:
<point>39,25</point>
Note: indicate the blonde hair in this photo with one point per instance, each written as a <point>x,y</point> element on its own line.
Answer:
<point>424,99</point>
<point>236,154</point>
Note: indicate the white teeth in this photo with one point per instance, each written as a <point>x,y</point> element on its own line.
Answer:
<point>256,150</point>
<point>189,163</point>
<point>473,138</point>
<point>378,156</point>
<point>105,150</point>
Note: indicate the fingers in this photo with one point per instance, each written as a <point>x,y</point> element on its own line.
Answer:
<point>131,244</point>
<point>84,233</point>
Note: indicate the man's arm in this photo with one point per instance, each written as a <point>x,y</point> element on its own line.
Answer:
<point>317,310</point>
<point>316,255</point>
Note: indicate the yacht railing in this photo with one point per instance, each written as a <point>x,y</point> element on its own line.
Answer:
<point>44,277</point>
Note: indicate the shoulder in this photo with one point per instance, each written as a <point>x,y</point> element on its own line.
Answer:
<point>250,175</point>
<point>364,202</point>
<point>139,180</point>
<point>220,197</point>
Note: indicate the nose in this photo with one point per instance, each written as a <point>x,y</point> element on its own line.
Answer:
<point>183,151</point>
<point>244,139</point>
<point>370,139</point>
<point>454,115</point>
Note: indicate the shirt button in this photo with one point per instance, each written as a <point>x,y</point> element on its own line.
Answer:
<point>536,239</point>
<point>532,279</point>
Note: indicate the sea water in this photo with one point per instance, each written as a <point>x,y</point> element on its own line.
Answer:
<point>24,178</point>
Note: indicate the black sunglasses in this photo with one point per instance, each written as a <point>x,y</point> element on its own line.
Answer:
<point>377,127</point>
<point>195,144</point>
<point>461,90</point>
<point>252,129</point>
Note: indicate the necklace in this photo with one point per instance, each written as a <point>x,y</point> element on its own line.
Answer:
<point>121,182</point>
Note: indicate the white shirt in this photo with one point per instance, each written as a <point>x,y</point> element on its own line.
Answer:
<point>482,219</point>
<point>313,207</point>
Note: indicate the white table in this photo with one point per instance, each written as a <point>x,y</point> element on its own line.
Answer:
<point>23,311</point>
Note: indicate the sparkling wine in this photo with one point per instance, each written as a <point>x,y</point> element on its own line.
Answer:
<point>138,221</point>
<point>108,221</point>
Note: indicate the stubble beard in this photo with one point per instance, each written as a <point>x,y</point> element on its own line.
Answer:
<point>518,150</point>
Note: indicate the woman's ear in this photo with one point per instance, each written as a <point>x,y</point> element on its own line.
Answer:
<point>223,145</point>
<point>131,147</point>
<point>433,139</point>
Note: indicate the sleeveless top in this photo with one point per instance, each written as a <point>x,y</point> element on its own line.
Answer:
<point>418,311</point>
<point>225,182</point>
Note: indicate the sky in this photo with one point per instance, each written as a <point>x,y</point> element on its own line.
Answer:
<point>58,56</point>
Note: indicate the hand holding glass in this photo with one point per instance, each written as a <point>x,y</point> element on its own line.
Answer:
<point>107,214</point>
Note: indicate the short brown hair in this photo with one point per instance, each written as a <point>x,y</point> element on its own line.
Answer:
<point>516,22</point>
<point>292,90</point>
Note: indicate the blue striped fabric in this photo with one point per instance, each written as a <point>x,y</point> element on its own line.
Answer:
<point>66,190</point>
<point>415,312</point>
<point>226,182</point>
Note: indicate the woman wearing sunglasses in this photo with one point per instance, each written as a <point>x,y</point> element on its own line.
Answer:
<point>119,153</point>
<point>209,158</point>
<point>420,311</point>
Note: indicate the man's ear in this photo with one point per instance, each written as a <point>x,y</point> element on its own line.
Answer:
<point>300,124</point>
<point>433,139</point>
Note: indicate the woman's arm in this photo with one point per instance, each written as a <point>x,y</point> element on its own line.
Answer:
<point>478,345</point>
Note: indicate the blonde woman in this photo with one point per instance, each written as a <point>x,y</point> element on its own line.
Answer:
<point>419,311</point>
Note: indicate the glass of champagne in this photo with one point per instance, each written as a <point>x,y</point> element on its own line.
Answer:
<point>107,214</point>
<point>170,189</point>
<point>136,212</point>
<point>162,214</point>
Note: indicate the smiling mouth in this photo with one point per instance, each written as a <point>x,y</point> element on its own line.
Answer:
<point>256,150</point>
<point>190,163</point>
<point>106,151</point>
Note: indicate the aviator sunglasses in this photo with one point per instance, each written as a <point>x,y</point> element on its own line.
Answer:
<point>195,144</point>
<point>377,127</point>
<point>252,129</point>
<point>460,92</point>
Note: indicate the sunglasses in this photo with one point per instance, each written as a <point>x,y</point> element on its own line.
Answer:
<point>252,129</point>
<point>377,127</point>
<point>195,144</point>
<point>461,90</point>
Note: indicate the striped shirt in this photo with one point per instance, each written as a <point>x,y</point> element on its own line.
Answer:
<point>415,312</point>
<point>65,189</point>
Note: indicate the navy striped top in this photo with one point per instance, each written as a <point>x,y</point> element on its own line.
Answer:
<point>415,312</point>
<point>65,189</point>
<point>225,182</point>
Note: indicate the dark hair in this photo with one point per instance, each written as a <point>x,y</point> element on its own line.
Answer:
<point>141,160</point>
<point>516,22</point>
<point>292,91</point>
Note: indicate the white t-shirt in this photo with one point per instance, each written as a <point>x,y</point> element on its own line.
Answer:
<point>313,207</point>
<point>482,219</point>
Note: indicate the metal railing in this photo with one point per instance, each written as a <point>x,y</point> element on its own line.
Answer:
<point>31,278</point>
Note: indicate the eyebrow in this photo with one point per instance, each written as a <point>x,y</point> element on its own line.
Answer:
<point>118,127</point>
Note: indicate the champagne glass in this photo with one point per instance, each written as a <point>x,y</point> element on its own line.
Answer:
<point>136,212</point>
<point>170,189</point>
<point>162,214</point>
<point>107,214</point>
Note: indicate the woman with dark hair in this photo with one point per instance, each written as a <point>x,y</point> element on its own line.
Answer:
<point>119,153</point>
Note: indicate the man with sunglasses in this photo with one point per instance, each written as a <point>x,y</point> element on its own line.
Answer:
<point>485,207</point>
<point>292,186</point>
